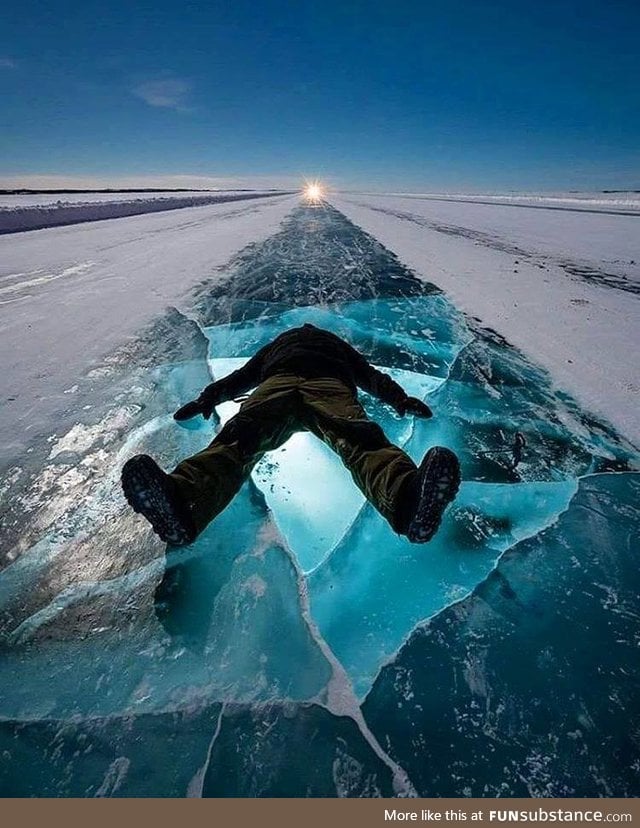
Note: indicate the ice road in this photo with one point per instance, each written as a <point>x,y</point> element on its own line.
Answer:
<point>500,659</point>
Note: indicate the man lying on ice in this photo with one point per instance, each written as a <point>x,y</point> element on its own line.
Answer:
<point>305,380</point>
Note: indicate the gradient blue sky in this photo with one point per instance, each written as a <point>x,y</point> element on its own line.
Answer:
<point>456,95</point>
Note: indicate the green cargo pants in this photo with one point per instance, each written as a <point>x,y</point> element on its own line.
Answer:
<point>279,407</point>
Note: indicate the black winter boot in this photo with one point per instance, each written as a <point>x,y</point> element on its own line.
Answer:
<point>151,492</point>
<point>436,486</point>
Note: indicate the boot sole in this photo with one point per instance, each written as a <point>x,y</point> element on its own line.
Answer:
<point>440,481</point>
<point>145,487</point>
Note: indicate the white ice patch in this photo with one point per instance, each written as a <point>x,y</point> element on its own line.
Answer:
<point>81,437</point>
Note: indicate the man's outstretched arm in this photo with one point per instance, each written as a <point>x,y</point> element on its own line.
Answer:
<point>236,383</point>
<point>381,385</point>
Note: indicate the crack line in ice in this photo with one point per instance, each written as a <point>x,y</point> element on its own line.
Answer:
<point>196,785</point>
<point>339,696</point>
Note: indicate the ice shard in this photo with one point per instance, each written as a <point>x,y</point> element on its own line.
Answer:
<point>149,754</point>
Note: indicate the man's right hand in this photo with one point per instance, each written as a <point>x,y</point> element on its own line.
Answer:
<point>203,405</point>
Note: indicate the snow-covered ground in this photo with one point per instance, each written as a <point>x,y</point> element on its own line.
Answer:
<point>69,295</point>
<point>562,285</point>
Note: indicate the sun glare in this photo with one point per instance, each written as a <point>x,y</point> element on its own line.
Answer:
<point>313,192</point>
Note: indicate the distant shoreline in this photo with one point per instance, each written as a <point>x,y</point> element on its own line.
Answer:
<point>27,191</point>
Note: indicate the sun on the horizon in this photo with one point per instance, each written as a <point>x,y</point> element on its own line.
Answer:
<point>313,192</point>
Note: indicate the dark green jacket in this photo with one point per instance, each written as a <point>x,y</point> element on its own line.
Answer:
<point>308,352</point>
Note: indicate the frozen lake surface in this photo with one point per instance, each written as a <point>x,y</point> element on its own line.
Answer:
<point>500,659</point>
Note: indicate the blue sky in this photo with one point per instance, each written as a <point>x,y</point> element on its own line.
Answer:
<point>453,95</point>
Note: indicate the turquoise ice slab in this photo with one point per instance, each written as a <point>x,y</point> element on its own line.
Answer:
<point>529,687</point>
<point>148,754</point>
<point>422,334</point>
<point>376,586</point>
<point>368,587</point>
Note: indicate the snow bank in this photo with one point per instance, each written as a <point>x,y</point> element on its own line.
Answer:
<point>36,211</point>
<point>623,202</point>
